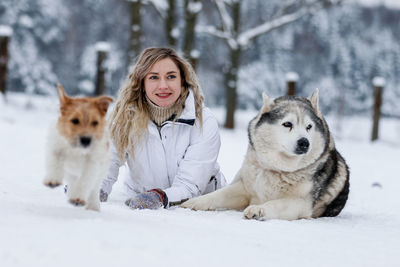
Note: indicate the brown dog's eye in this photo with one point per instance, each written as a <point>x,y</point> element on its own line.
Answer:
<point>75,121</point>
<point>94,123</point>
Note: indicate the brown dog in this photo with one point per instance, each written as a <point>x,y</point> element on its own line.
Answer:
<point>78,148</point>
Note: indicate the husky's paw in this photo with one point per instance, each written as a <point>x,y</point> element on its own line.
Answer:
<point>51,183</point>
<point>199,203</point>
<point>77,202</point>
<point>254,212</point>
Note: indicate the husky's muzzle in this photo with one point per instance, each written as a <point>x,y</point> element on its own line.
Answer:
<point>302,146</point>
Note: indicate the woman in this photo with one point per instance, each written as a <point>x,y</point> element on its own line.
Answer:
<point>161,129</point>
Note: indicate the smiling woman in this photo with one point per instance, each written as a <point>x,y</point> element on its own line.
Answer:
<point>163,83</point>
<point>162,130</point>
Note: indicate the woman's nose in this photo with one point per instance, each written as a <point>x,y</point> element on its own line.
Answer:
<point>163,83</point>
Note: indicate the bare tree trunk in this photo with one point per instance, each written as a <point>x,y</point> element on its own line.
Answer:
<point>231,77</point>
<point>3,63</point>
<point>170,22</point>
<point>191,12</point>
<point>102,50</point>
<point>378,83</point>
<point>136,32</point>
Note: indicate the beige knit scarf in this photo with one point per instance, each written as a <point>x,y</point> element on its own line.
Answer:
<point>161,114</point>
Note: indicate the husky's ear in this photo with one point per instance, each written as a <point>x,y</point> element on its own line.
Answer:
<point>102,103</point>
<point>267,103</point>
<point>314,98</point>
<point>64,99</point>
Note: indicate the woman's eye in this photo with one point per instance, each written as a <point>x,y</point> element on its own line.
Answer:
<point>308,127</point>
<point>171,76</point>
<point>75,121</point>
<point>153,77</point>
<point>287,124</point>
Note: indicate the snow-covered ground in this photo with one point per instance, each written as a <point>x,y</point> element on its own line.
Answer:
<point>38,227</point>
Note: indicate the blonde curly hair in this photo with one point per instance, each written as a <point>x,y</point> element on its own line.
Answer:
<point>130,117</point>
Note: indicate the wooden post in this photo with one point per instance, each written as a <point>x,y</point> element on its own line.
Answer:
<point>291,80</point>
<point>379,84</point>
<point>102,49</point>
<point>5,34</point>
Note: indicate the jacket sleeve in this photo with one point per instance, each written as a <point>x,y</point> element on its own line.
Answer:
<point>199,163</point>
<point>113,170</point>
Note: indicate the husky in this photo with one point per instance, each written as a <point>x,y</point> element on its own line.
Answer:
<point>291,169</point>
<point>78,148</point>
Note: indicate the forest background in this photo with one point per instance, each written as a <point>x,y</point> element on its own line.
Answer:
<point>337,46</point>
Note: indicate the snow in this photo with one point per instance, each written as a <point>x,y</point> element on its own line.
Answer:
<point>135,27</point>
<point>175,32</point>
<point>160,5</point>
<point>195,53</point>
<point>195,7</point>
<point>26,21</point>
<point>86,86</point>
<point>38,227</point>
<point>388,3</point>
<point>5,30</point>
<point>102,46</point>
<point>292,77</point>
<point>378,81</point>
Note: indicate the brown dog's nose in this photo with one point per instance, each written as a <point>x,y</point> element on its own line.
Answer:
<point>85,141</point>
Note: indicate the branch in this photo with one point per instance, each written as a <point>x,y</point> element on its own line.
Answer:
<point>211,30</point>
<point>225,17</point>
<point>266,27</point>
<point>284,9</point>
<point>159,5</point>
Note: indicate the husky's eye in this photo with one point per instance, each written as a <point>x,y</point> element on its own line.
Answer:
<point>94,123</point>
<point>308,127</point>
<point>75,121</point>
<point>288,124</point>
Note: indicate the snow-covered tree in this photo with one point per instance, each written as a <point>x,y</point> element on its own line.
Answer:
<point>237,39</point>
<point>191,11</point>
<point>36,26</point>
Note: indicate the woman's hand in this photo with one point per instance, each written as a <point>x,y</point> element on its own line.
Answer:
<point>103,195</point>
<point>152,199</point>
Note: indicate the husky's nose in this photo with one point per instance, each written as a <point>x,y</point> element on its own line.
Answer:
<point>85,141</point>
<point>302,146</point>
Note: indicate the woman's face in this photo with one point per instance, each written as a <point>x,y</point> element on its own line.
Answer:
<point>163,83</point>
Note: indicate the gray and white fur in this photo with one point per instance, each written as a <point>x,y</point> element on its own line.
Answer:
<point>292,169</point>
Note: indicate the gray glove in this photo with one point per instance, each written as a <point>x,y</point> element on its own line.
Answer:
<point>103,196</point>
<point>152,199</point>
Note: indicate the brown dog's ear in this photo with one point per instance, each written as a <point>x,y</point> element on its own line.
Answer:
<point>64,99</point>
<point>102,103</point>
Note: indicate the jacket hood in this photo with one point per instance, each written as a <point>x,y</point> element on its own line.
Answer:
<point>189,112</point>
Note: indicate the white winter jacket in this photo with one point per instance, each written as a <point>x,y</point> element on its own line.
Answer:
<point>180,158</point>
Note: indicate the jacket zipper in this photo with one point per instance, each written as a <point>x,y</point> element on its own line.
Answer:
<point>162,143</point>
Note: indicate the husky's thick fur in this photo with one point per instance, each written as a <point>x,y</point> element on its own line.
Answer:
<point>291,170</point>
<point>78,148</point>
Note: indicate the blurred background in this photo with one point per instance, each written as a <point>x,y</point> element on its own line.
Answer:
<point>239,48</point>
